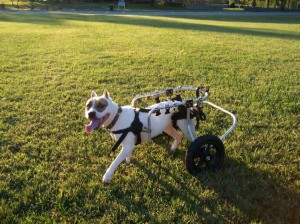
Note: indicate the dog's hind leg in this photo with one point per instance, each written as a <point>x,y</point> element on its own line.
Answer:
<point>170,130</point>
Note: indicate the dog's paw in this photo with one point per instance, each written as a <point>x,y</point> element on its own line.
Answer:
<point>174,146</point>
<point>106,178</point>
<point>176,143</point>
<point>127,160</point>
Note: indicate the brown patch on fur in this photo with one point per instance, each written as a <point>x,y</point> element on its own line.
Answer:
<point>89,104</point>
<point>100,104</point>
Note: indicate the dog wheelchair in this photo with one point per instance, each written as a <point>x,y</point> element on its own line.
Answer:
<point>206,152</point>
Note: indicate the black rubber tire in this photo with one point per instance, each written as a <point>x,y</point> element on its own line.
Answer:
<point>205,153</point>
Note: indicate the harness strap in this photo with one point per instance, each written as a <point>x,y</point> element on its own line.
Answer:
<point>114,121</point>
<point>135,127</point>
<point>199,114</point>
<point>123,136</point>
<point>143,110</point>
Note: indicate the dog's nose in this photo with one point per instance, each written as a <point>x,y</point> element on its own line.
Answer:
<point>92,115</point>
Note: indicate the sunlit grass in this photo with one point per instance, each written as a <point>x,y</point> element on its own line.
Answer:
<point>51,170</point>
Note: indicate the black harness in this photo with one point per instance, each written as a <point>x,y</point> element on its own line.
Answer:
<point>196,112</point>
<point>136,128</point>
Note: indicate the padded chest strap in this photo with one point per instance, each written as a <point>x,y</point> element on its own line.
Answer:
<point>135,127</point>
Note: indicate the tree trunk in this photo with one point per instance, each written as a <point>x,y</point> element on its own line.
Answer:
<point>282,6</point>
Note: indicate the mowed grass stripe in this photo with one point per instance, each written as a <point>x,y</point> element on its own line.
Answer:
<point>51,170</point>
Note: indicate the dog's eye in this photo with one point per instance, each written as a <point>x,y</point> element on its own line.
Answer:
<point>100,106</point>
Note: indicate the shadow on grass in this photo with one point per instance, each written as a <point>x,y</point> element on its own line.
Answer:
<point>152,21</point>
<point>258,195</point>
<point>285,19</point>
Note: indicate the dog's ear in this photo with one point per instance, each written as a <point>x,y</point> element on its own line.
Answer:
<point>93,94</point>
<point>106,93</point>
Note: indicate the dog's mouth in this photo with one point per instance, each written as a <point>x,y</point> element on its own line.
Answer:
<point>95,123</point>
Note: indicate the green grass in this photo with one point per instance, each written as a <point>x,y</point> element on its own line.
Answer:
<point>51,171</point>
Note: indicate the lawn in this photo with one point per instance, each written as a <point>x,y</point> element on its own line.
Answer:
<point>51,170</point>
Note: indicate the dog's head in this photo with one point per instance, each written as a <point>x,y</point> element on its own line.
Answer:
<point>97,110</point>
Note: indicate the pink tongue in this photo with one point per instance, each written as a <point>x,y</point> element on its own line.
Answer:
<point>87,129</point>
<point>92,125</point>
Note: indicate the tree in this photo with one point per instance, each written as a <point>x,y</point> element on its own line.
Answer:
<point>282,5</point>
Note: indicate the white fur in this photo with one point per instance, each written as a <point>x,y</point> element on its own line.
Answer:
<point>159,124</point>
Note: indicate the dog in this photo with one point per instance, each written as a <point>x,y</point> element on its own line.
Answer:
<point>103,111</point>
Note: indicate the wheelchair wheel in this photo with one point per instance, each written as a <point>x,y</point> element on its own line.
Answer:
<point>205,153</point>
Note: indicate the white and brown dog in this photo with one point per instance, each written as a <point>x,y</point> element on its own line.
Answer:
<point>103,111</point>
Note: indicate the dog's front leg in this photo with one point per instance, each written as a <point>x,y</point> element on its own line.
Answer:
<point>125,153</point>
<point>128,158</point>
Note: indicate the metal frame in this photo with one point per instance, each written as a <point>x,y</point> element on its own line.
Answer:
<point>167,92</point>
<point>188,103</point>
<point>234,123</point>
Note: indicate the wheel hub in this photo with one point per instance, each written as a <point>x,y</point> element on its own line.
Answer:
<point>207,158</point>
